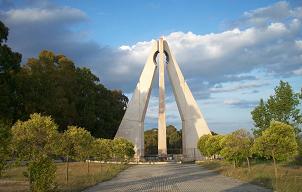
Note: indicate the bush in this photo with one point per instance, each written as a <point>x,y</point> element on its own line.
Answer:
<point>122,149</point>
<point>42,173</point>
<point>34,141</point>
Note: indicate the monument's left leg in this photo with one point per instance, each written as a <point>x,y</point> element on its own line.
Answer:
<point>132,125</point>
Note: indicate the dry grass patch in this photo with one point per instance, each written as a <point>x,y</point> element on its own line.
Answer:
<point>79,179</point>
<point>290,177</point>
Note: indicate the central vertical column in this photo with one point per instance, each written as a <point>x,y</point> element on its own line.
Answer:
<point>162,139</point>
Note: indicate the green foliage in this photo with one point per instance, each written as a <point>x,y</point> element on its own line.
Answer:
<point>76,143</point>
<point>42,173</point>
<point>34,140</point>
<point>174,140</point>
<point>282,106</point>
<point>213,145</point>
<point>5,138</point>
<point>71,95</point>
<point>202,144</point>
<point>102,149</point>
<point>9,66</point>
<point>151,142</point>
<point>35,137</point>
<point>122,149</point>
<point>277,142</point>
<point>261,118</point>
<point>236,146</point>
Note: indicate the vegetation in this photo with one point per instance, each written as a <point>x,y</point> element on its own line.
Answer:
<point>174,140</point>
<point>275,139</point>
<point>202,145</point>
<point>33,141</point>
<point>261,173</point>
<point>5,138</point>
<point>282,106</point>
<point>122,149</point>
<point>13,180</point>
<point>70,94</point>
<point>278,142</point>
<point>237,147</point>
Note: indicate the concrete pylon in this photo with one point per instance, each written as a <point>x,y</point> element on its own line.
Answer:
<point>132,125</point>
<point>193,123</point>
<point>162,135</point>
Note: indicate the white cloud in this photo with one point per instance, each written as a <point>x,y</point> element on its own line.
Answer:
<point>231,101</point>
<point>34,15</point>
<point>298,71</point>
<point>238,86</point>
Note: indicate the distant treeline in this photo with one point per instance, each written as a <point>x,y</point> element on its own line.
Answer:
<point>52,85</point>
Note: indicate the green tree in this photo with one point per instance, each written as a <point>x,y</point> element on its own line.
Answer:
<point>9,66</point>
<point>34,140</point>
<point>76,143</point>
<point>237,146</point>
<point>261,118</point>
<point>278,143</point>
<point>150,139</point>
<point>122,149</point>
<point>282,106</point>
<point>174,140</point>
<point>5,139</point>
<point>202,144</point>
<point>102,150</point>
<point>71,95</point>
<point>213,145</point>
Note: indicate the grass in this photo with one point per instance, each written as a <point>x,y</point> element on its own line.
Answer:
<point>79,179</point>
<point>289,176</point>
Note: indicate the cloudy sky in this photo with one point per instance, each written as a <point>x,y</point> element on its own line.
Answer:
<point>231,53</point>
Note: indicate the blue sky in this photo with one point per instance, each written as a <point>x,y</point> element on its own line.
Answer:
<point>231,52</point>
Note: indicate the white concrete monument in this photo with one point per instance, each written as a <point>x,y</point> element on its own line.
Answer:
<point>193,123</point>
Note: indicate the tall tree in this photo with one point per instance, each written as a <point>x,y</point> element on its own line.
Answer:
<point>71,95</point>
<point>9,66</point>
<point>261,118</point>
<point>282,106</point>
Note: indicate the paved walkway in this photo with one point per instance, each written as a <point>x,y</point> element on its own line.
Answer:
<point>173,178</point>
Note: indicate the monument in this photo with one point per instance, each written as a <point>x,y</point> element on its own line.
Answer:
<point>193,123</point>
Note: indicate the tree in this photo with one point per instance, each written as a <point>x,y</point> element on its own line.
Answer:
<point>5,139</point>
<point>282,106</point>
<point>34,140</point>
<point>202,144</point>
<point>236,147</point>
<point>102,150</point>
<point>213,145</point>
<point>122,149</point>
<point>9,66</point>
<point>174,140</point>
<point>278,143</point>
<point>150,139</point>
<point>71,95</point>
<point>76,143</point>
<point>261,118</point>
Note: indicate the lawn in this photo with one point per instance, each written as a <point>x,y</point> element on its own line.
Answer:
<point>290,176</point>
<point>79,179</point>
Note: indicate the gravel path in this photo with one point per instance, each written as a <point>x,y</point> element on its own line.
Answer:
<point>173,178</point>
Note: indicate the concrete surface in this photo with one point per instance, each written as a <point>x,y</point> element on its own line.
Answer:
<point>173,178</point>
<point>162,127</point>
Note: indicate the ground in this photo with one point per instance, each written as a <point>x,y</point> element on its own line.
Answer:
<point>173,177</point>
<point>15,181</point>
